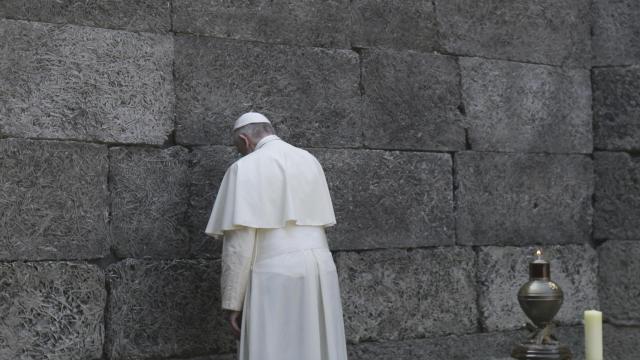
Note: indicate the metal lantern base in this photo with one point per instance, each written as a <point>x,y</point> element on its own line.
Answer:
<point>528,351</point>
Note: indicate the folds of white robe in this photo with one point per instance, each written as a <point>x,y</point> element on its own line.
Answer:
<point>237,254</point>
<point>275,184</point>
<point>292,308</point>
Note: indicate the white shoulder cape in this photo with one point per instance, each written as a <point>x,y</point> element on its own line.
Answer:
<point>275,184</point>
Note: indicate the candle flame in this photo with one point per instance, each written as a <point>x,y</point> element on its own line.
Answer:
<point>539,253</point>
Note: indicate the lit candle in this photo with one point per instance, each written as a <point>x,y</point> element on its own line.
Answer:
<point>593,334</point>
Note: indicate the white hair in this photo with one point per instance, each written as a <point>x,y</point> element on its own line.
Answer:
<point>254,131</point>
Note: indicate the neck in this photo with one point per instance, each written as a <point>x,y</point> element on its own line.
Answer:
<point>264,140</point>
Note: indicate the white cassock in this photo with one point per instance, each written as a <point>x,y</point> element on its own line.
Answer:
<point>272,208</point>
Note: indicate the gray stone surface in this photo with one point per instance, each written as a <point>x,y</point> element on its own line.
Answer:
<point>617,196</point>
<point>53,200</point>
<point>408,24</point>
<point>489,346</point>
<point>149,198</point>
<point>571,336</point>
<point>525,107</point>
<point>411,101</point>
<point>232,356</point>
<point>295,22</point>
<point>139,15</point>
<point>310,94</point>
<point>51,310</point>
<point>386,199</point>
<point>521,199</point>
<point>397,294</point>
<point>485,346</point>
<point>621,343</point>
<point>616,32</point>
<point>482,346</point>
<point>619,281</point>
<point>209,164</point>
<point>73,82</point>
<point>160,309</point>
<point>616,108</point>
<point>547,31</point>
<point>503,270</point>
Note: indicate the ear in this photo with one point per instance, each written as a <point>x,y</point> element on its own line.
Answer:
<point>245,140</point>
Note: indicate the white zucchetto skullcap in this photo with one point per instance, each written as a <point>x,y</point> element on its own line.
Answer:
<point>250,118</point>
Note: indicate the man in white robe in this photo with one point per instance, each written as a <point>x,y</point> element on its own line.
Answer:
<point>278,279</point>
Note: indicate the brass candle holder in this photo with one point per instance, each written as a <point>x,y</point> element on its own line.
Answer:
<point>540,299</point>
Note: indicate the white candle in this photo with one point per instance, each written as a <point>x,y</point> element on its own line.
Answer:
<point>593,335</point>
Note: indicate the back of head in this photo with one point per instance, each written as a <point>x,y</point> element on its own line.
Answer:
<point>249,129</point>
<point>255,131</point>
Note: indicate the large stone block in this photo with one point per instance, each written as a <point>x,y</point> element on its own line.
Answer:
<point>616,108</point>
<point>616,32</point>
<point>139,15</point>
<point>295,22</point>
<point>209,164</point>
<point>51,310</point>
<point>484,346</point>
<point>621,343</point>
<point>411,101</point>
<point>503,270</point>
<point>73,82</point>
<point>232,356</point>
<point>159,309</point>
<point>619,281</point>
<point>397,294</point>
<point>489,346</point>
<point>520,199</point>
<point>525,107</point>
<point>53,200</point>
<point>405,24</point>
<point>617,196</point>
<point>310,94</point>
<point>388,199</point>
<point>547,31</point>
<point>149,199</point>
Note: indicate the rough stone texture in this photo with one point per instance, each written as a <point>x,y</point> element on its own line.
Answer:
<point>209,164</point>
<point>546,31</point>
<point>51,310</point>
<point>573,337</point>
<point>409,24</point>
<point>411,101</point>
<point>617,196</point>
<point>491,346</point>
<point>621,343</point>
<point>503,270</point>
<point>399,294</point>
<point>487,346</point>
<point>618,343</point>
<point>388,199</point>
<point>616,108</point>
<point>619,281</point>
<point>139,15</point>
<point>295,22</point>
<point>149,198</point>
<point>616,32</point>
<point>520,199</point>
<point>53,200</point>
<point>74,82</point>
<point>232,356</point>
<point>310,94</point>
<point>525,107</point>
<point>165,308</point>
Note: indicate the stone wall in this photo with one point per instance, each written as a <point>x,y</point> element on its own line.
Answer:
<point>456,135</point>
